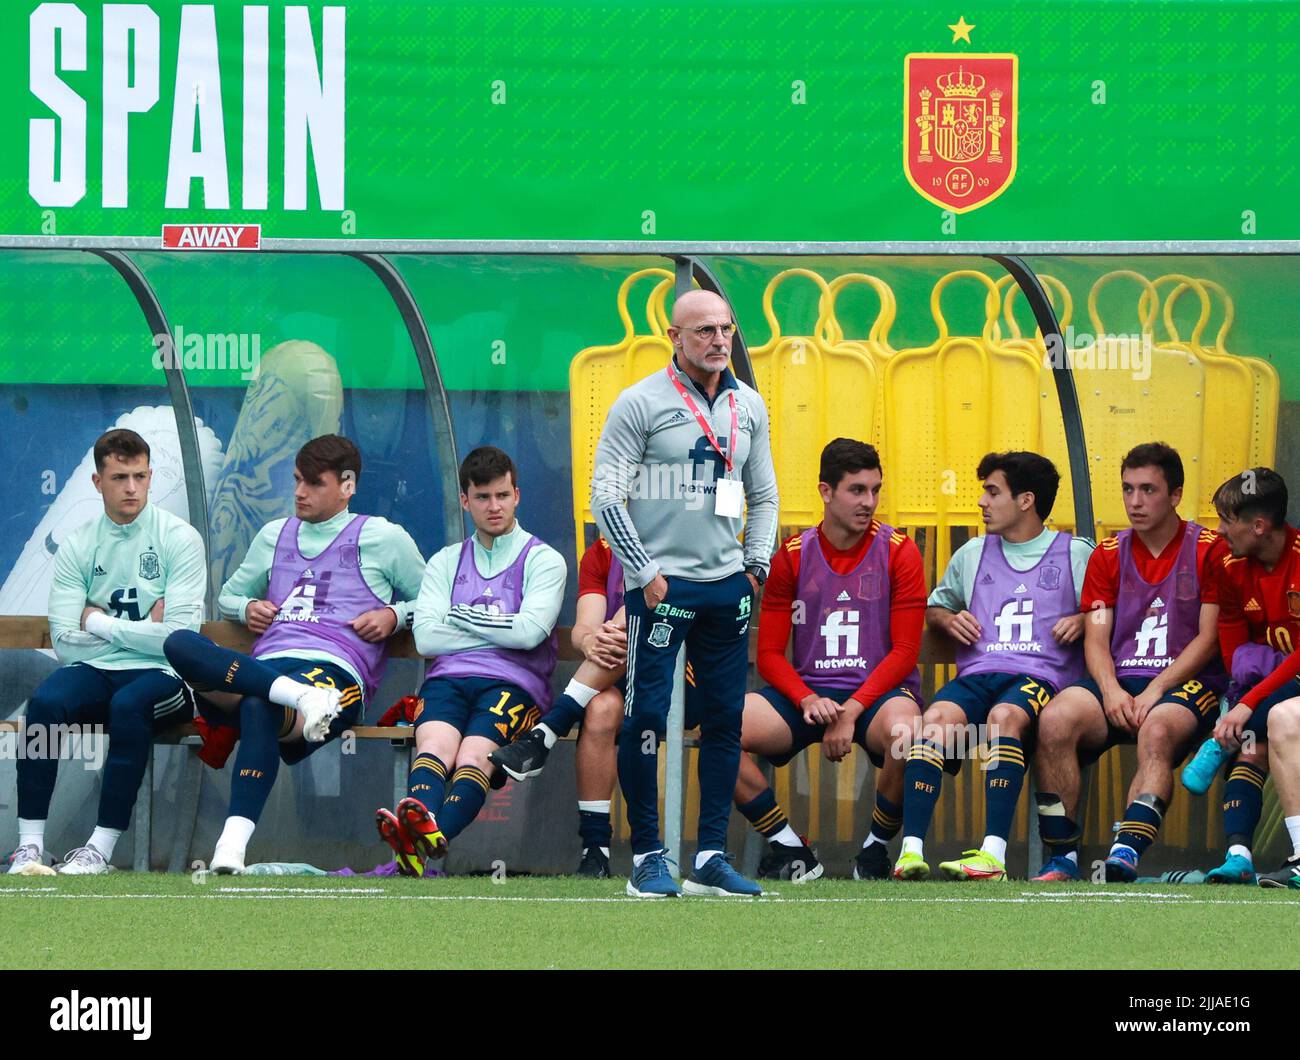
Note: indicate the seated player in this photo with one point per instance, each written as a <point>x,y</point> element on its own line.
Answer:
<point>321,592</point>
<point>852,591</point>
<point>1259,628</point>
<point>121,584</point>
<point>593,699</point>
<point>1010,598</point>
<point>1151,647</point>
<point>486,614</point>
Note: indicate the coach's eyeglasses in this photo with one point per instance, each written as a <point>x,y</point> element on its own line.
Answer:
<point>707,331</point>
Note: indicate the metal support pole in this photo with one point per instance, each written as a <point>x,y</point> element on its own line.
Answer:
<point>674,781</point>
<point>144,817</point>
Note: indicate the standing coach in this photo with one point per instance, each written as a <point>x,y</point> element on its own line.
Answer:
<point>683,451</point>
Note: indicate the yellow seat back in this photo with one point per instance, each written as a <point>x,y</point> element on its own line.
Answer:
<point>1229,396</point>
<point>814,391</point>
<point>875,346</point>
<point>1120,411</point>
<point>597,375</point>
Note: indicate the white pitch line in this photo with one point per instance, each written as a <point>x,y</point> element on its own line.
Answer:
<point>276,894</point>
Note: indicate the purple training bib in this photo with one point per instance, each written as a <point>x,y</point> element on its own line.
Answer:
<point>502,595</point>
<point>1016,611</point>
<point>844,634</point>
<point>1153,624</point>
<point>317,599</point>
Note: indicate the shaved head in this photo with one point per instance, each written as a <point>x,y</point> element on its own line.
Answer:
<point>700,319</point>
<point>699,303</point>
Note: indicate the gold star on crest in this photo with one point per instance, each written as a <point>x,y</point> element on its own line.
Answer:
<point>961,30</point>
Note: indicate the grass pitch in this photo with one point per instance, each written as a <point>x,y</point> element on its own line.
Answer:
<point>128,920</point>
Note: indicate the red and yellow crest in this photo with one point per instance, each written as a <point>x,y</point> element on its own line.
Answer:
<point>959,127</point>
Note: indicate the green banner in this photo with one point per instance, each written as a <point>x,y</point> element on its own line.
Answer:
<point>784,120</point>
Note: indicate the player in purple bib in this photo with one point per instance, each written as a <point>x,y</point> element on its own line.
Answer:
<point>850,594</point>
<point>321,590</point>
<point>594,699</point>
<point>1010,599</point>
<point>1152,652</point>
<point>486,616</point>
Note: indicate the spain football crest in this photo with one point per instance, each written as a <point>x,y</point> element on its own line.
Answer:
<point>959,126</point>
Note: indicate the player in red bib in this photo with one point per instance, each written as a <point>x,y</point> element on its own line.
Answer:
<point>1152,651</point>
<point>1259,631</point>
<point>855,607</point>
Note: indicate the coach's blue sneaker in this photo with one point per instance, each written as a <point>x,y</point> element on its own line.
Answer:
<point>651,879</point>
<point>1058,870</point>
<point>1122,865</point>
<point>1235,869</point>
<point>1200,772</point>
<point>719,879</point>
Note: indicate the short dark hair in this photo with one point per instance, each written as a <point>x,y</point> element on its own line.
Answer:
<point>844,456</point>
<point>1256,491</point>
<point>486,464</point>
<point>1026,473</point>
<point>329,452</point>
<point>119,442</point>
<point>1156,454</point>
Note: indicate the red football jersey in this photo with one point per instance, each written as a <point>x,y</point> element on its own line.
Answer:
<point>1258,605</point>
<point>907,613</point>
<point>1101,583</point>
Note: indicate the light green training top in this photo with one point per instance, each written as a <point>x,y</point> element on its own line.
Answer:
<point>958,583</point>
<point>390,562</point>
<point>441,629</point>
<point>125,569</point>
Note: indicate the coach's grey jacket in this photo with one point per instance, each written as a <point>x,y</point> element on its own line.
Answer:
<point>653,488</point>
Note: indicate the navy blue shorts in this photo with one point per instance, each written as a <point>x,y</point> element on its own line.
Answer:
<point>803,734</point>
<point>978,694</point>
<point>1258,723</point>
<point>478,706</point>
<point>1203,702</point>
<point>322,675</point>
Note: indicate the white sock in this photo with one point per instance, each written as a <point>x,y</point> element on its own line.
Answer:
<point>580,693</point>
<point>787,837</point>
<point>104,840</point>
<point>996,846</point>
<point>594,806</point>
<point>548,737</point>
<point>285,691</point>
<point>31,833</point>
<point>638,858</point>
<point>704,856</point>
<point>1122,846</point>
<point>1293,830</point>
<point>913,845</point>
<point>236,834</point>
<point>1073,856</point>
<point>1241,852</point>
<point>872,838</point>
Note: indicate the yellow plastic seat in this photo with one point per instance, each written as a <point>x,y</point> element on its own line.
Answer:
<point>950,403</point>
<point>597,375</point>
<point>1120,411</point>
<point>1265,393</point>
<point>875,345</point>
<point>1229,397</point>
<point>814,390</point>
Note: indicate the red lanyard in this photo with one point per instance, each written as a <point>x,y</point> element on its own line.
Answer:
<point>705,425</point>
